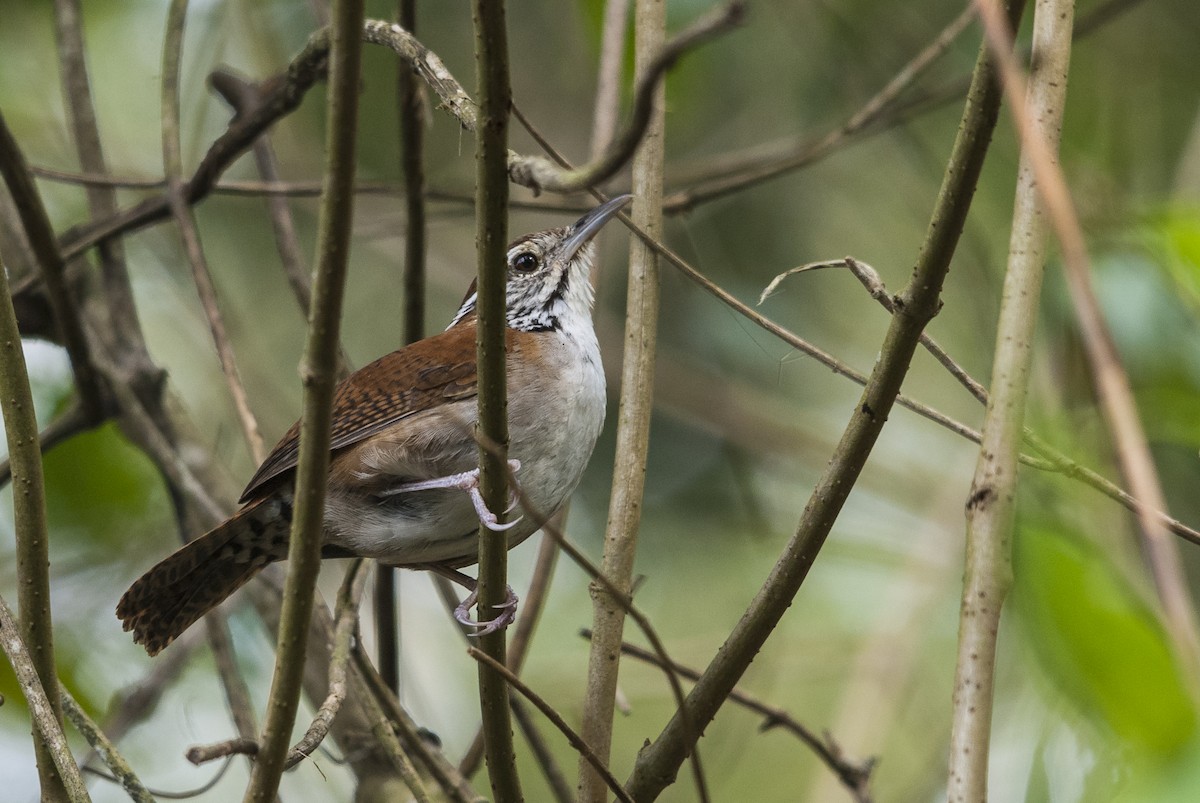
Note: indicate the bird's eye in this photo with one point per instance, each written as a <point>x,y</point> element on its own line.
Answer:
<point>525,262</point>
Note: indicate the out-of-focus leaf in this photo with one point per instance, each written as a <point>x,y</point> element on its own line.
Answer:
<point>1178,235</point>
<point>101,488</point>
<point>1099,641</point>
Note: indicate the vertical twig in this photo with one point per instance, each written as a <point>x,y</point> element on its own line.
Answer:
<point>608,76</point>
<point>532,605</point>
<point>245,97</point>
<point>988,571</point>
<point>63,781</point>
<point>33,554</point>
<point>633,421</point>
<point>410,101</point>
<point>318,375</point>
<point>658,763</point>
<point>102,200</point>
<point>491,240</point>
<point>1108,376</point>
<point>188,232</point>
<point>235,687</point>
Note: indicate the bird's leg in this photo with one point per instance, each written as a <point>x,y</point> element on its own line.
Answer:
<point>462,613</point>
<point>466,481</point>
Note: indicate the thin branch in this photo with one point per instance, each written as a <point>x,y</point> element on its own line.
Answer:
<point>658,763</point>
<point>1108,375</point>
<point>555,778</point>
<point>1049,458</point>
<point>623,598</point>
<point>738,172</point>
<point>52,261</point>
<point>854,776</point>
<point>532,605</point>
<point>122,315</point>
<point>746,168</point>
<point>456,787</point>
<point>541,174</point>
<point>108,752</point>
<point>491,244</point>
<point>633,420</point>
<point>345,623</point>
<point>160,794</point>
<point>237,691</point>
<point>62,781</point>
<point>33,553</point>
<point>410,105</point>
<point>577,742</point>
<point>991,505</point>
<point>317,373</point>
<point>188,232</point>
<point>606,111</point>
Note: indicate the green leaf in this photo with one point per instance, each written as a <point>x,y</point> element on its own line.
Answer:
<point>1098,640</point>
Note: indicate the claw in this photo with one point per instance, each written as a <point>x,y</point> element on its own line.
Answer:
<point>509,607</point>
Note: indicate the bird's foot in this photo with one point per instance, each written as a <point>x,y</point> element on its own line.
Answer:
<point>507,615</point>
<point>466,481</point>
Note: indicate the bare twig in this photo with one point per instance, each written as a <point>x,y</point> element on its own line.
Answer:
<point>854,776</point>
<point>658,763</point>
<point>541,174</point>
<point>633,422</point>
<point>236,691</point>
<point>623,598</point>
<point>318,376</point>
<point>52,261</point>
<point>33,557</point>
<point>122,312</point>
<point>556,719</point>
<point>345,622</point>
<point>448,778</point>
<point>738,172</point>
<point>491,241</point>
<point>608,75</point>
<point>555,778</point>
<point>410,105</point>
<point>1049,458</point>
<point>1108,374</point>
<point>992,502</point>
<point>63,781</point>
<point>532,605</point>
<point>182,212</point>
<point>104,746</point>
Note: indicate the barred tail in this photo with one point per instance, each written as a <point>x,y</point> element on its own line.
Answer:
<point>173,595</point>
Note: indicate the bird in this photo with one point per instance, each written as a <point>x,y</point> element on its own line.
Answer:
<point>402,486</point>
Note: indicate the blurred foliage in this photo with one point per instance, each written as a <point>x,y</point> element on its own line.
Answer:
<point>1091,703</point>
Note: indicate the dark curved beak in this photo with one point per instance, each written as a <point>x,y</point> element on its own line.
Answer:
<point>586,227</point>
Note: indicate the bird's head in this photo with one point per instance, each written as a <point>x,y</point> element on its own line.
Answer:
<point>548,274</point>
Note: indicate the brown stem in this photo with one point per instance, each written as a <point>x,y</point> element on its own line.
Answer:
<point>318,375</point>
